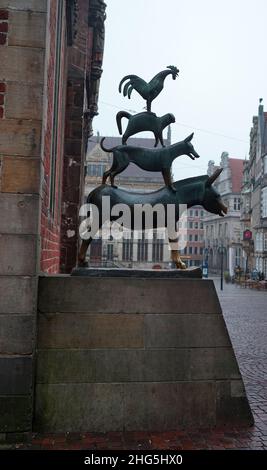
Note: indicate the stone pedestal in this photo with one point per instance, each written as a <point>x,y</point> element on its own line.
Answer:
<point>134,353</point>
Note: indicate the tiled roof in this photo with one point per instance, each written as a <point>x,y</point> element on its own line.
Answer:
<point>236,166</point>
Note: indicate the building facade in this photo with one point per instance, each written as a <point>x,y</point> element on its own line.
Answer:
<point>223,235</point>
<point>254,196</point>
<point>150,250</point>
<point>51,55</point>
<point>193,253</point>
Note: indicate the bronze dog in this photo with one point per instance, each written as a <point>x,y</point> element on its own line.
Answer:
<point>148,159</point>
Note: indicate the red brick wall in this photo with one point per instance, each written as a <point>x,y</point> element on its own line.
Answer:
<point>3,41</point>
<point>50,223</point>
<point>73,174</point>
<point>59,230</point>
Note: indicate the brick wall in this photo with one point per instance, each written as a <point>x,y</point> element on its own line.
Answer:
<point>53,135</point>
<point>84,71</point>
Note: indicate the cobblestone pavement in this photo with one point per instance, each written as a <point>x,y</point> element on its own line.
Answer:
<point>245,312</point>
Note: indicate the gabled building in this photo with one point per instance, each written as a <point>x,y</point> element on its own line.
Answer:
<point>254,196</point>
<point>224,233</point>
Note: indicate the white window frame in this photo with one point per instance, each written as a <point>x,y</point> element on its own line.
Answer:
<point>264,202</point>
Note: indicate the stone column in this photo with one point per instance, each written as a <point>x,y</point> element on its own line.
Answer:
<point>22,48</point>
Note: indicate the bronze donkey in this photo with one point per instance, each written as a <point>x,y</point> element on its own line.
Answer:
<point>191,192</point>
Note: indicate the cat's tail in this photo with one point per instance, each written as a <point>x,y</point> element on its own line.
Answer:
<point>120,115</point>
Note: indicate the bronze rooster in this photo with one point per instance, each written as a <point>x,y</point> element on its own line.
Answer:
<point>148,91</point>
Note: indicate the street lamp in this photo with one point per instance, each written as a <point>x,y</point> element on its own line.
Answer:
<point>222,252</point>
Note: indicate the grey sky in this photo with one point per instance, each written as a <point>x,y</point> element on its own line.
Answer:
<point>219,48</point>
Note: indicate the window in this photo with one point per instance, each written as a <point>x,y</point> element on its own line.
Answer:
<point>202,213</point>
<point>95,169</point>
<point>201,251</point>
<point>196,238</point>
<point>265,242</point>
<point>110,251</point>
<point>190,224</point>
<point>185,250</point>
<point>190,238</point>
<point>201,225</point>
<point>259,241</point>
<point>142,248</point>
<point>236,203</point>
<point>264,202</point>
<point>195,250</point>
<point>238,256</point>
<point>127,249</point>
<point>96,249</point>
<point>196,224</point>
<point>191,213</point>
<point>190,250</point>
<point>157,248</point>
<point>196,213</point>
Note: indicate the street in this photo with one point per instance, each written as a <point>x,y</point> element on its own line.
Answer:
<point>245,313</point>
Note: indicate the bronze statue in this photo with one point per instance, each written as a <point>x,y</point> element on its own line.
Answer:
<point>191,191</point>
<point>144,122</point>
<point>148,91</point>
<point>148,159</point>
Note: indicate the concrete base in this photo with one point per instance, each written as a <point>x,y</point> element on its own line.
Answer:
<point>134,353</point>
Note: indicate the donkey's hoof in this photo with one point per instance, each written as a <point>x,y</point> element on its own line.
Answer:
<point>180,265</point>
<point>83,264</point>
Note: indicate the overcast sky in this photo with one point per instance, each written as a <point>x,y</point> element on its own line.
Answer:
<point>219,46</point>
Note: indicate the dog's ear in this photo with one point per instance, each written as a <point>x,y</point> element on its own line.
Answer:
<point>189,138</point>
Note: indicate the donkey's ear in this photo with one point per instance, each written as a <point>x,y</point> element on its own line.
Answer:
<point>213,177</point>
<point>190,137</point>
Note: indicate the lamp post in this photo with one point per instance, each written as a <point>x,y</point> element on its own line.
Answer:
<point>221,251</point>
<point>205,264</point>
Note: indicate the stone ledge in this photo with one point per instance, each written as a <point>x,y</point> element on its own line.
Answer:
<point>190,273</point>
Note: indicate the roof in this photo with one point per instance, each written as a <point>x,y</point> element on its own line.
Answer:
<point>236,166</point>
<point>132,171</point>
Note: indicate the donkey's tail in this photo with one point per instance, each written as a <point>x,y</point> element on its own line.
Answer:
<point>120,115</point>
<point>104,148</point>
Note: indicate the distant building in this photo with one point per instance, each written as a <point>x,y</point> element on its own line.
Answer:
<point>142,252</point>
<point>254,196</point>
<point>192,254</point>
<point>224,233</point>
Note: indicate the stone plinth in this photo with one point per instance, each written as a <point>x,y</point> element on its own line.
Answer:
<point>134,353</point>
